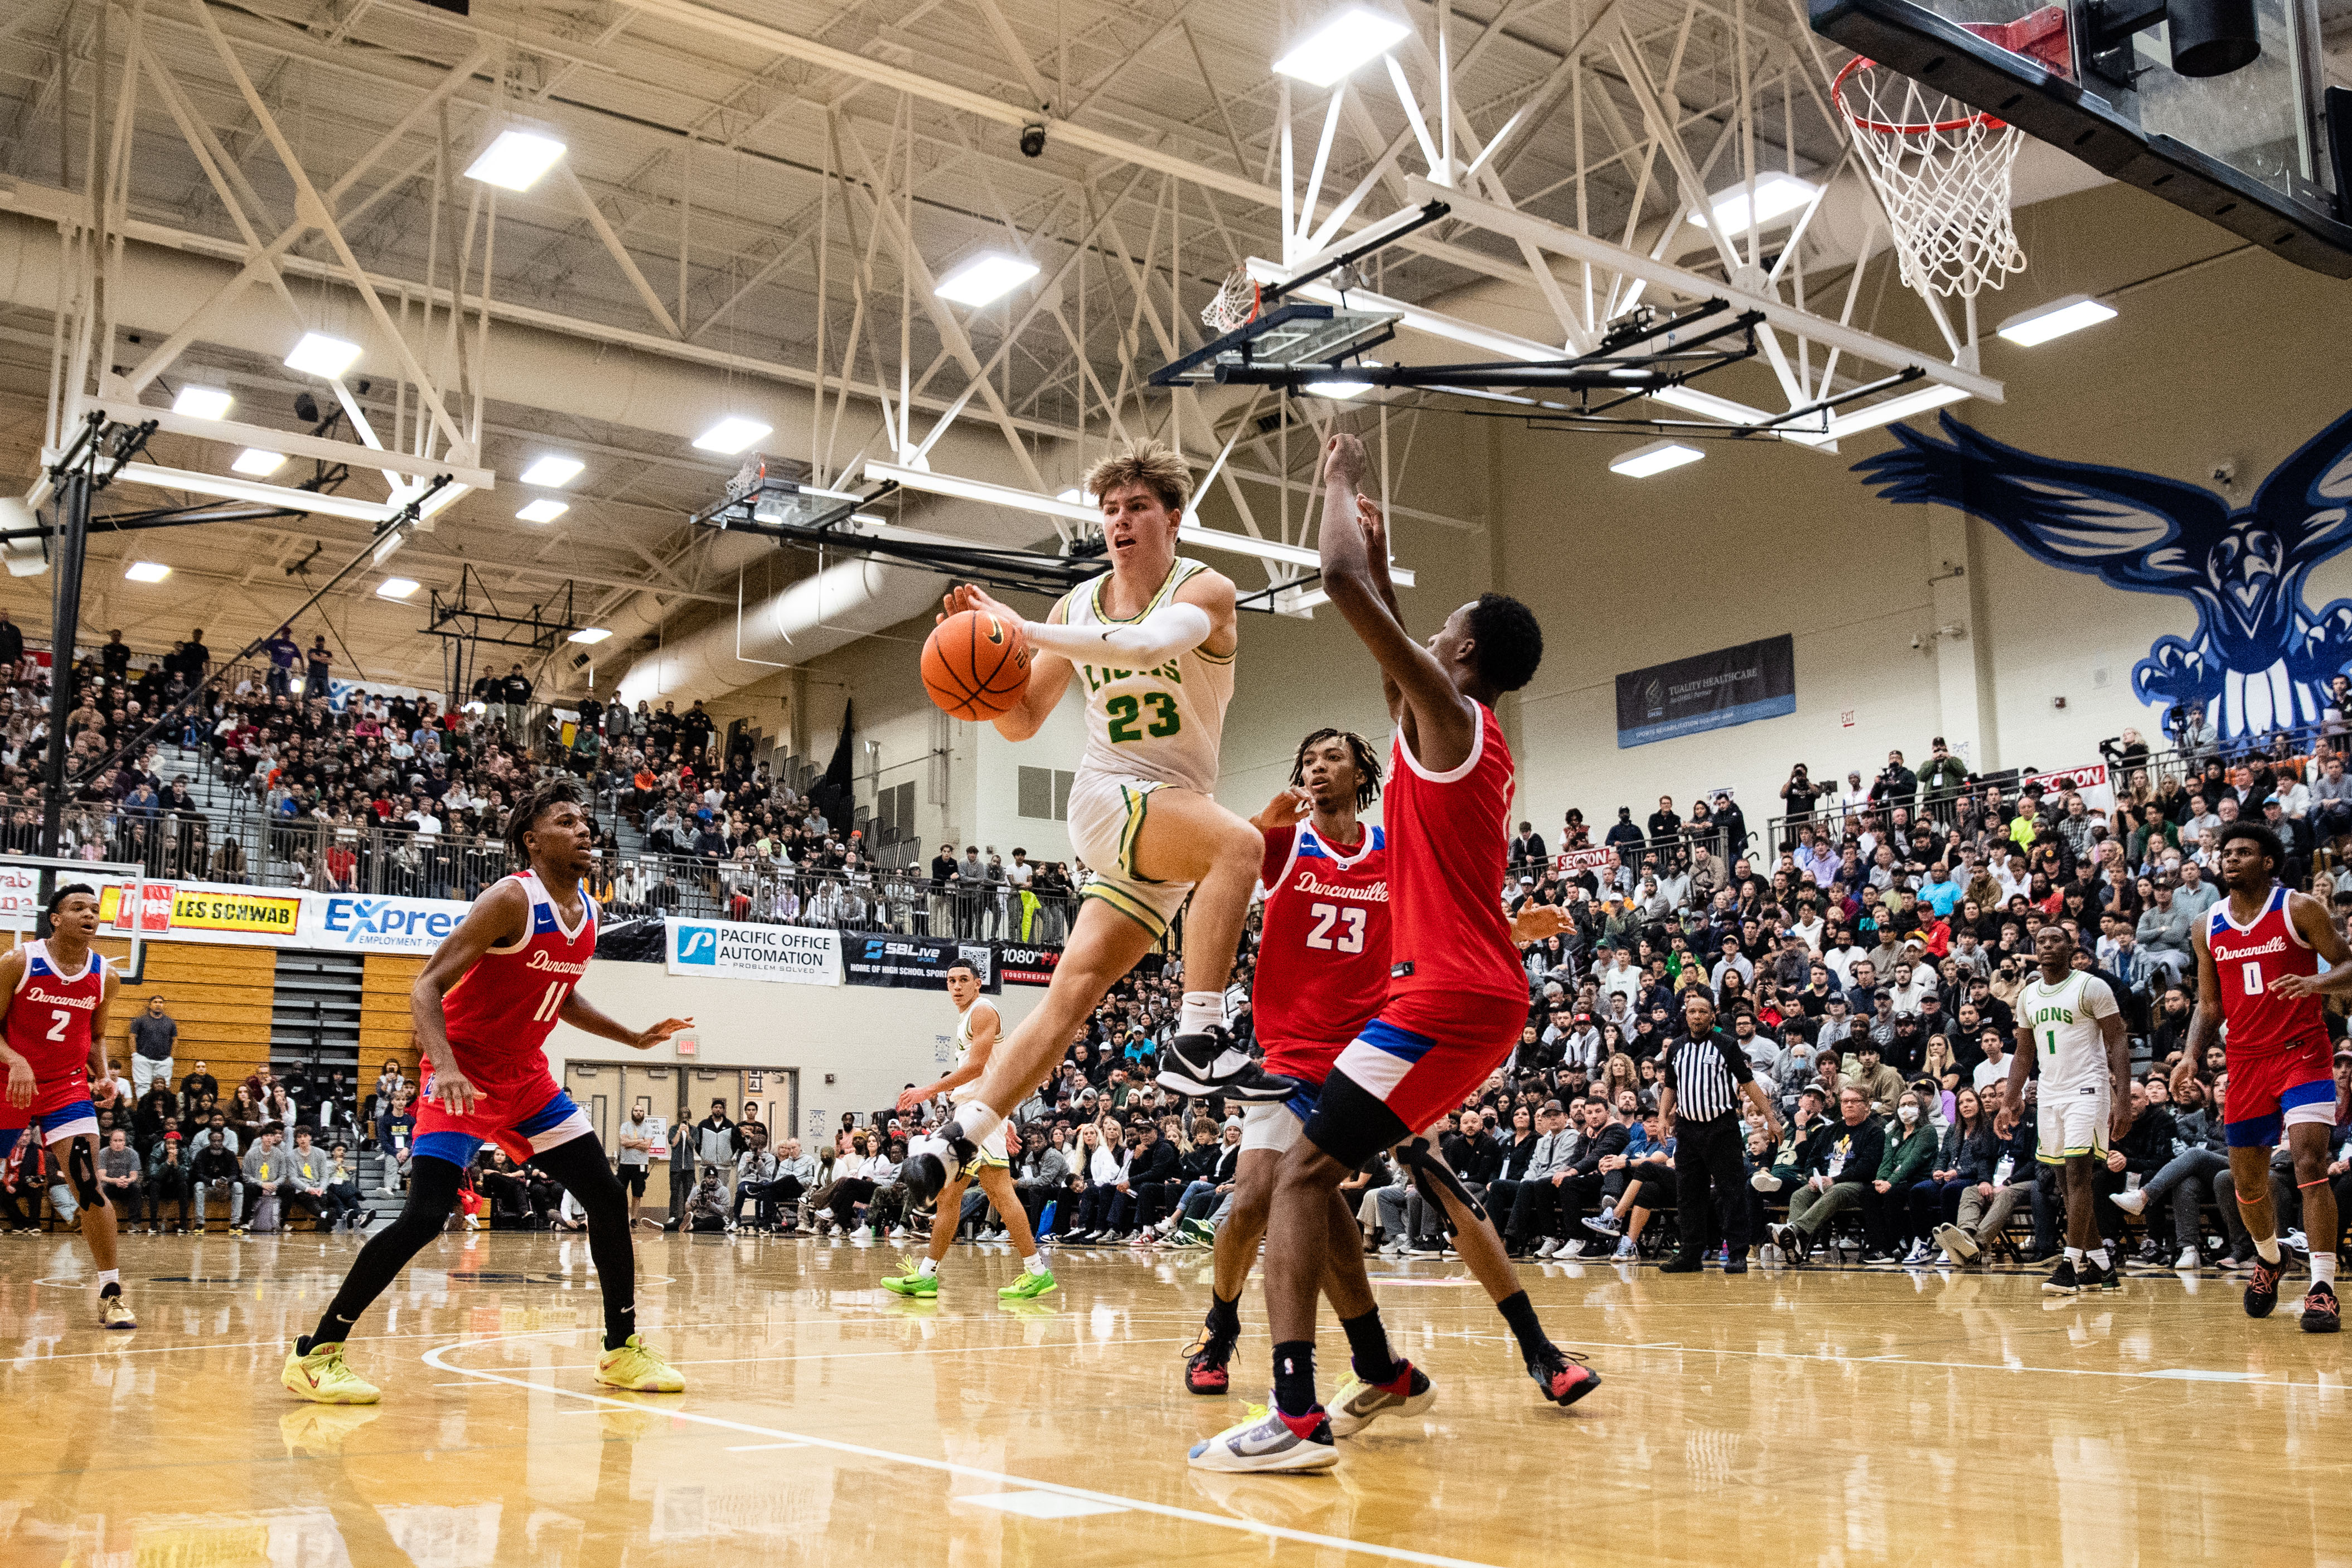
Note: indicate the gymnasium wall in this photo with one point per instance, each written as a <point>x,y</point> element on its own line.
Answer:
<point>872,1040</point>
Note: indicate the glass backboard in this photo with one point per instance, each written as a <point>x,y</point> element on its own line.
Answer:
<point>2249,149</point>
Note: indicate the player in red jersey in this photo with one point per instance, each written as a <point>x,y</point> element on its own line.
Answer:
<point>54,994</point>
<point>484,1006</point>
<point>1457,997</point>
<point>2258,972</point>
<point>1322,975</point>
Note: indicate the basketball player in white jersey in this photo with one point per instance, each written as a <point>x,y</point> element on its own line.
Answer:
<point>2067,1018</point>
<point>1153,640</point>
<point>977,1026</point>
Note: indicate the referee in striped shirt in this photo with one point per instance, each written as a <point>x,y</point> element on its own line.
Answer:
<point>1706,1073</point>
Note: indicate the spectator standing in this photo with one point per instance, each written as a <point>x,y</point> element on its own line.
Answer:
<point>12,642</point>
<point>284,654</point>
<point>318,665</point>
<point>1943,779</point>
<point>1706,1076</point>
<point>152,1034</point>
<point>641,1134</point>
<point>514,693</point>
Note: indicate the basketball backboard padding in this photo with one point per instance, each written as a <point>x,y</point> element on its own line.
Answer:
<point>2117,129</point>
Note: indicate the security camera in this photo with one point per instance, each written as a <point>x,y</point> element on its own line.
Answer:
<point>1032,141</point>
<point>2225,474</point>
<point>1916,642</point>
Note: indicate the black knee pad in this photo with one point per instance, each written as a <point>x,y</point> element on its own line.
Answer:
<point>82,1169</point>
<point>1431,1175</point>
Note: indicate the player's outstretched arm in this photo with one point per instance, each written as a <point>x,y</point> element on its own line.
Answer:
<point>1049,672</point>
<point>2204,1023</point>
<point>1439,722</point>
<point>19,1075</point>
<point>497,917</point>
<point>588,1018</point>
<point>2319,931</point>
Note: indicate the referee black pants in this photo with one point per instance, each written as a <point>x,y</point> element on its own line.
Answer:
<point>1711,1169</point>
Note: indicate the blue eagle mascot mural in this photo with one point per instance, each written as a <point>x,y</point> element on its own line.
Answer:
<point>2260,659</point>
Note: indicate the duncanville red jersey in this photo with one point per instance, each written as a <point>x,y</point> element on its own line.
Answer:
<point>1449,837</point>
<point>501,1011</point>
<point>1323,953</point>
<point>2246,959</point>
<point>49,1019</point>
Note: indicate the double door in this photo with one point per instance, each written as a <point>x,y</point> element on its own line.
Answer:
<point>681,1091</point>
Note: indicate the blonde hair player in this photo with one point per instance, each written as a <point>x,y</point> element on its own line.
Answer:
<point>1154,640</point>
<point>977,1027</point>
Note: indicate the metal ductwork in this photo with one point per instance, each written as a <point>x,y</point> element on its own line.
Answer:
<point>811,618</point>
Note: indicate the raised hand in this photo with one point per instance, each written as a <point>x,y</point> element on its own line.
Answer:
<point>1288,809</point>
<point>647,1039</point>
<point>1344,462</point>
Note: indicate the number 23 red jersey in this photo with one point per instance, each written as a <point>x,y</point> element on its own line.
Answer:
<point>1323,949</point>
<point>501,1011</point>
<point>2246,959</point>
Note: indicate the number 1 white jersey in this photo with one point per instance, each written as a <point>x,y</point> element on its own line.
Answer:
<point>1163,724</point>
<point>2064,1022</point>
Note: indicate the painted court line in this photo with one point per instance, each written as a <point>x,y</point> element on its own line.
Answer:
<point>1038,1505</point>
<point>748,1447</point>
<point>436,1359</point>
<point>1897,1359</point>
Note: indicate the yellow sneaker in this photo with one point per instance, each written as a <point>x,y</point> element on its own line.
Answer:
<point>323,1378</point>
<point>113,1314</point>
<point>638,1365</point>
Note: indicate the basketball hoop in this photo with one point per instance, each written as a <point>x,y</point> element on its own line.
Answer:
<point>1943,169</point>
<point>1236,305</point>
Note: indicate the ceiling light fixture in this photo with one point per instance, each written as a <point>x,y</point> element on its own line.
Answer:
<point>259,464</point>
<point>551,473</point>
<point>397,587</point>
<point>731,435</point>
<point>1353,38</point>
<point>516,158</point>
<point>590,635</point>
<point>985,278</point>
<point>203,402</point>
<point>543,510</point>
<point>1776,195</point>
<point>1337,387</point>
<point>321,355</point>
<point>1655,458</point>
<point>147,572</point>
<point>2055,320</point>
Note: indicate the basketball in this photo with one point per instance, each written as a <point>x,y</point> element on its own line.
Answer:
<point>976,665</point>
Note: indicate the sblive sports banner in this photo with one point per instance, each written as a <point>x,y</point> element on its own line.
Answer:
<point>1708,692</point>
<point>795,955</point>
<point>918,962</point>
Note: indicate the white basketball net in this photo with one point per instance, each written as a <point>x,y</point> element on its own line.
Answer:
<point>1234,306</point>
<point>1943,169</point>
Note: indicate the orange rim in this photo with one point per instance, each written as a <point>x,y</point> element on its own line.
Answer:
<point>1895,128</point>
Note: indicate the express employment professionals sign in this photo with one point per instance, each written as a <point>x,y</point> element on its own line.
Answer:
<point>797,955</point>
<point>1708,692</point>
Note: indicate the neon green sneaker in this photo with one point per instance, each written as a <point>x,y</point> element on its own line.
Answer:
<point>1030,1285</point>
<point>911,1281</point>
<point>322,1378</point>
<point>637,1366</point>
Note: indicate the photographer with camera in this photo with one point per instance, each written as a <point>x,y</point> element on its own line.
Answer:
<point>2123,753</point>
<point>1943,778</point>
<point>2191,731</point>
<point>1797,797</point>
<point>1896,784</point>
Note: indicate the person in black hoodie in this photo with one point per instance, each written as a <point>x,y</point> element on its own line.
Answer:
<point>1163,1204</point>
<point>1151,1178</point>
<point>1587,1184</point>
<point>1848,1162</point>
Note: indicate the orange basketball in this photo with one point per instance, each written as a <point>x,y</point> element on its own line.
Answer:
<point>976,665</point>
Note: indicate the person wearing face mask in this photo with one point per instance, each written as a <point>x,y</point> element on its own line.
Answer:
<point>1910,1150</point>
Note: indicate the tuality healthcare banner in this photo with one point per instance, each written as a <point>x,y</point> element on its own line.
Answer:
<point>1708,692</point>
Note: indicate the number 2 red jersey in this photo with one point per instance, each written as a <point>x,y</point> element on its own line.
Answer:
<point>2246,959</point>
<point>1448,839</point>
<point>501,1011</point>
<point>1323,949</point>
<point>48,1018</point>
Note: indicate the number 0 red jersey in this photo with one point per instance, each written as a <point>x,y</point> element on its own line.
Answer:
<point>2246,959</point>
<point>1323,952</point>
<point>501,1011</point>
<point>1449,837</point>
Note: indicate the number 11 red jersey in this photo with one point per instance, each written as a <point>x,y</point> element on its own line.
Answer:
<point>1323,949</point>
<point>501,1011</point>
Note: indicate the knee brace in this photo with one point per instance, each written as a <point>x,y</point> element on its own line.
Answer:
<point>82,1169</point>
<point>1433,1176</point>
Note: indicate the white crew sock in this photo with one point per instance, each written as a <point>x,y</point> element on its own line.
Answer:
<point>2098,1255</point>
<point>1036,1264</point>
<point>2323,1268</point>
<point>2074,1255</point>
<point>928,1266</point>
<point>978,1121</point>
<point>1202,1010</point>
<point>2268,1248</point>
<point>114,1276</point>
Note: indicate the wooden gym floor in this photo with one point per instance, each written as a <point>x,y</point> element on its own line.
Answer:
<point>1822,1416</point>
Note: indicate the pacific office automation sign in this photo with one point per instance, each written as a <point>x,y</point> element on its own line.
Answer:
<point>1708,692</point>
<point>795,955</point>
